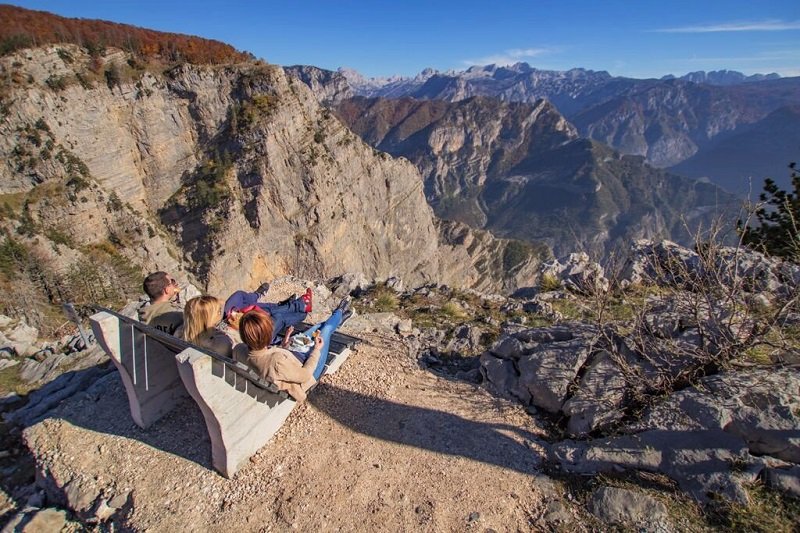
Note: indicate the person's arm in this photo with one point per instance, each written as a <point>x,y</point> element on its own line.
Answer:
<point>287,337</point>
<point>294,374</point>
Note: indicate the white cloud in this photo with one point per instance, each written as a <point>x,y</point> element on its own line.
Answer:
<point>508,57</point>
<point>764,25</point>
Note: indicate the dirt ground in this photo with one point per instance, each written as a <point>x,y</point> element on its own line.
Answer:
<point>382,445</point>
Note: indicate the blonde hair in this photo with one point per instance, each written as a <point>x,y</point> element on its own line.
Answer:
<point>200,314</point>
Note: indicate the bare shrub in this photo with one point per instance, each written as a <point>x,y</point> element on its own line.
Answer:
<point>690,313</point>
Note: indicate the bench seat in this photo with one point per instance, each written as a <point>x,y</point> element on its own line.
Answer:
<point>241,411</point>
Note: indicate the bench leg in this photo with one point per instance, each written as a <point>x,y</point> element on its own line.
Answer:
<point>240,417</point>
<point>150,378</point>
<point>337,361</point>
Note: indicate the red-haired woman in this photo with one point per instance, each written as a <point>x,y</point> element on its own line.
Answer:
<point>293,372</point>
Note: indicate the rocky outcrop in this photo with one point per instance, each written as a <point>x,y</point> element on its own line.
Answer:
<point>713,438</point>
<point>237,165</point>
<point>328,86</point>
<point>627,507</point>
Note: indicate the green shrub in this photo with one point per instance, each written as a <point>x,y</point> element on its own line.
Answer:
<point>778,230</point>
<point>453,311</point>
<point>13,255</point>
<point>515,254</point>
<point>15,42</point>
<point>65,56</point>
<point>548,283</point>
<point>42,125</point>
<point>249,112</point>
<point>57,83</point>
<point>59,237</point>
<point>113,76</point>
<point>114,203</point>
<point>386,301</point>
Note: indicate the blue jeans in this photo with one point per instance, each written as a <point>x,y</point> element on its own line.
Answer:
<point>326,329</point>
<point>284,315</point>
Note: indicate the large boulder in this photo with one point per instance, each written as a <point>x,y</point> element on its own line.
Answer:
<point>547,371</point>
<point>702,462</point>
<point>659,263</point>
<point>762,407</point>
<point>598,402</point>
<point>18,338</point>
<point>784,479</point>
<point>545,363</point>
<point>577,273</point>
<point>626,507</point>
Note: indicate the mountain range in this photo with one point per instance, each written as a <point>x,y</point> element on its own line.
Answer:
<point>667,121</point>
<point>522,171</point>
<point>165,152</point>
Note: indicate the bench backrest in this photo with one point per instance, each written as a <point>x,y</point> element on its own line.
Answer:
<point>140,343</point>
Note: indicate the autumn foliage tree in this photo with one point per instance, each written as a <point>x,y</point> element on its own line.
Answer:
<point>22,28</point>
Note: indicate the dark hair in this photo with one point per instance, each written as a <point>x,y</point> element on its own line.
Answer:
<point>155,284</point>
<point>256,328</point>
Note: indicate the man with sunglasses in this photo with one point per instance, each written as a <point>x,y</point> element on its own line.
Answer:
<point>164,312</point>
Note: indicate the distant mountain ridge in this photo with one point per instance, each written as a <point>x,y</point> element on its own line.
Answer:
<point>724,77</point>
<point>521,171</point>
<point>667,121</point>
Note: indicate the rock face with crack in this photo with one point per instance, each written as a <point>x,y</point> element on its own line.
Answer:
<point>712,438</point>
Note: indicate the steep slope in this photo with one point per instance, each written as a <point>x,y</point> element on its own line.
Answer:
<point>237,165</point>
<point>457,147</point>
<point>586,195</point>
<point>740,162</point>
<point>520,171</point>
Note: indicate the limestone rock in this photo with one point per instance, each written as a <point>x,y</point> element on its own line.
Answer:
<point>548,371</point>
<point>351,283</point>
<point>700,461</point>
<point>759,406</point>
<point>328,86</point>
<point>599,398</point>
<point>577,273</point>
<point>786,480</point>
<point>19,338</point>
<point>627,507</point>
<point>33,371</point>
<point>501,376</point>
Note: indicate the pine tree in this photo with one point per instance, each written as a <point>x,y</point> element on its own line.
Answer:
<point>778,214</point>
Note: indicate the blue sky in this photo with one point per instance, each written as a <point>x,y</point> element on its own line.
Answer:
<point>379,38</point>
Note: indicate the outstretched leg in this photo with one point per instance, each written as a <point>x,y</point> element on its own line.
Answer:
<point>326,329</point>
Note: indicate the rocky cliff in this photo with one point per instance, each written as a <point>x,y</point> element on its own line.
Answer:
<point>236,167</point>
<point>520,171</point>
<point>329,87</point>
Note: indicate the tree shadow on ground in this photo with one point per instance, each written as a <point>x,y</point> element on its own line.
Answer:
<point>502,445</point>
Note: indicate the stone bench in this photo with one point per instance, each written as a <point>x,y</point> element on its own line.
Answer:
<point>241,411</point>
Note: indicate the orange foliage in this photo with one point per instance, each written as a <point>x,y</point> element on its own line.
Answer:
<point>21,28</point>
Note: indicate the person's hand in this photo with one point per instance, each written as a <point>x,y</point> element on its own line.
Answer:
<point>318,342</point>
<point>287,336</point>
